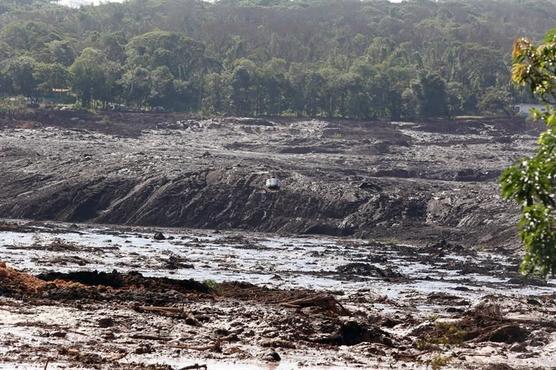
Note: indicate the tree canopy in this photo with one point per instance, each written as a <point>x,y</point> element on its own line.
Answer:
<point>532,181</point>
<point>335,58</point>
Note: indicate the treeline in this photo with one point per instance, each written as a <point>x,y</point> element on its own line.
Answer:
<point>334,58</point>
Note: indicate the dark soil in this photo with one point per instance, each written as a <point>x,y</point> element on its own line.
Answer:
<point>430,184</point>
<point>130,280</point>
<point>419,182</point>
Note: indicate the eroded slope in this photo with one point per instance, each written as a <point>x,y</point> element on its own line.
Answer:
<point>405,181</point>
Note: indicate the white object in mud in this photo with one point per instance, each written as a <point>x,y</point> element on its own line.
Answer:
<point>273,183</point>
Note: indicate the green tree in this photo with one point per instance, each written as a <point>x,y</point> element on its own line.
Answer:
<point>61,52</point>
<point>243,97</point>
<point>182,55</point>
<point>51,76</point>
<point>531,181</point>
<point>456,98</point>
<point>216,97</point>
<point>30,35</point>
<point>314,96</point>
<point>304,52</point>
<point>274,86</point>
<point>409,103</point>
<point>162,91</point>
<point>432,98</point>
<point>495,101</point>
<point>137,86</point>
<point>19,76</point>
<point>93,77</point>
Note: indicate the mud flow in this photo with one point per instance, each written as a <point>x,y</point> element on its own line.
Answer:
<point>380,245</point>
<point>413,182</point>
<point>96,297</point>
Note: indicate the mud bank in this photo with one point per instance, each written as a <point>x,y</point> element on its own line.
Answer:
<point>414,182</point>
<point>92,297</point>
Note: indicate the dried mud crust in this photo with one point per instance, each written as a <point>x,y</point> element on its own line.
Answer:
<point>113,320</point>
<point>417,182</point>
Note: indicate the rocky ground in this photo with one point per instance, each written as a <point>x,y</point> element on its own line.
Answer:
<point>414,182</point>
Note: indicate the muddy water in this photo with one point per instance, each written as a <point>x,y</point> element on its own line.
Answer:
<point>320,263</point>
<point>400,288</point>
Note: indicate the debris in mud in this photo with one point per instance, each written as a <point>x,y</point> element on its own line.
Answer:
<point>194,367</point>
<point>10,226</point>
<point>484,323</point>
<point>367,270</point>
<point>500,366</point>
<point>129,318</point>
<point>176,312</point>
<point>271,356</point>
<point>63,260</point>
<point>144,349</point>
<point>13,282</point>
<point>133,282</point>
<point>527,280</point>
<point>176,262</point>
<point>277,343</point>
<point>247,121</point>
<point>367,185</point>
<point>324,302</point>
<point>105,322</point>
<point>486,311</point>
<point>59,245</point>
<point>446,299</point>
<point>159,236</point>
<point>443,247</point>
<point>351,333</point>
<point>510,333</point>
<point>82,357</point>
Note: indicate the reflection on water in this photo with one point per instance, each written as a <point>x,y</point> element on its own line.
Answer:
<point>264,259</point>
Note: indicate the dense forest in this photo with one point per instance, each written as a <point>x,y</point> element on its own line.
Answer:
<point>334,58</point>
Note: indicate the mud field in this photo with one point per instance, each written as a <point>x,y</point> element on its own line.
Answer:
<point>387,247</point>
<point>98,297</point>
<point>411,182</point>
